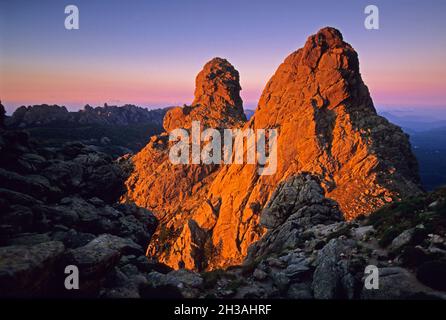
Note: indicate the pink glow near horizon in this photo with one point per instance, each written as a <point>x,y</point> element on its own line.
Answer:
<point>151,57</point>
<point>412,82</point>
<point>34,86</point>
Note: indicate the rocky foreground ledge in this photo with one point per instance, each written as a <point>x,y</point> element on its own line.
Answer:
<point>311,252</point>
<point>59,208</point>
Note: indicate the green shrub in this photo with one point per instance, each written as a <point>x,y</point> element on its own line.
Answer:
<point>388,235</point>
<point>235,284</point>
<point>343,231</point>
<point>210,278</point>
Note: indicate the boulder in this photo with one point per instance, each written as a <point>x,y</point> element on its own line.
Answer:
<point>259,274</point>
<point>394,283</point>
<point>402,240</point>
<point>331,279</point>
<point>175,284</point>
<point>297,205</point>
<point>290,196</point>
<point>28,270</point>
<point>98,257</point>
<point>29,239</point>
<point>299,291</point>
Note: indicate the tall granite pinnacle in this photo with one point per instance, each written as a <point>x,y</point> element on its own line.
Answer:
<point>327,126</point>
<point>217,102</point>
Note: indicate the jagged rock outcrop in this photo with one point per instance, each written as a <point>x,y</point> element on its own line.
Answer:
<point>326,258</point>
<point>38,115</point>
<point>296,205</point>
<point>327,127</point>
<point>59,208</point>
<point>170,190</point>
<point>301,195</point>
<point>217,102</point>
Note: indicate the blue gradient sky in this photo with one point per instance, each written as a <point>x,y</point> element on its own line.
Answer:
<point>149,52</point>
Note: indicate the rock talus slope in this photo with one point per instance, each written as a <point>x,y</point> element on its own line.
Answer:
<point>58,208</point>
<point>327,126</point>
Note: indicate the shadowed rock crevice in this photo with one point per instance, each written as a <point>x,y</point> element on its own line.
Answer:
<point>325,123</point>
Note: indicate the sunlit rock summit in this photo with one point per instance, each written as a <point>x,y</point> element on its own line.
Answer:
<point>217,102</point>
<point>328,127</point>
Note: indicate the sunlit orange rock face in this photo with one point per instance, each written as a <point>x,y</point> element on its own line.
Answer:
<point>173,192</point>
<point>327,126</point>
<point>217,102</point>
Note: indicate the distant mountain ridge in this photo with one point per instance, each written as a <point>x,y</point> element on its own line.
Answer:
<point>414,122</point>
<point>430,149</point>
<point>427,130</point>
<point>43,115</point>
<point>110,129</point>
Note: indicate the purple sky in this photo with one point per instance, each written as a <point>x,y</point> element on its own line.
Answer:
<point>149,52</point>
